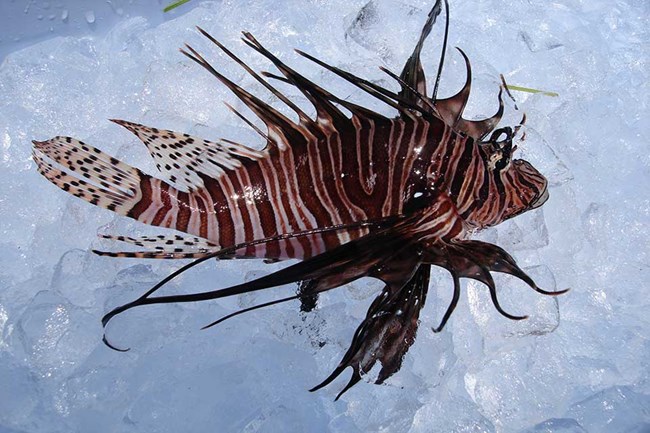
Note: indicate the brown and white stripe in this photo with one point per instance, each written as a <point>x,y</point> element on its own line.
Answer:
<point>328,171</point>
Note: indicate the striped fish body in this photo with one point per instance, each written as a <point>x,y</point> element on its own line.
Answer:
<point>371,170</point>
<point>349,195</point>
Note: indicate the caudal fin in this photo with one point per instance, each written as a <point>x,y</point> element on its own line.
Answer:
<point>98,178</point>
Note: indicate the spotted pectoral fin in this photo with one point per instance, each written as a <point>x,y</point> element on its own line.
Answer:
<point>388,330</point>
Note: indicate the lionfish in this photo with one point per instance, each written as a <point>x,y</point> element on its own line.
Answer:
<point>351,193</point>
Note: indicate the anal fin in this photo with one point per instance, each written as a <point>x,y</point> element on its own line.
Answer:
<point>387,332</point>
<point>162,247</point>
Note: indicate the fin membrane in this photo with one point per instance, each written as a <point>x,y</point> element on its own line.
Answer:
<point>183,158</point>
<point>163,247</point>
<point>387,332</point>
<point>99,178</point>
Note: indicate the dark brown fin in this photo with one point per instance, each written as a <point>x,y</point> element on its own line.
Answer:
<point>282,130</point>
<point>412,74</point>
<point>452,305</point>
<point>308,291</point>
<point>426,102</point>
<point>477,129</point>
<point>247,121</point>
<point>331,269</point>
<point>388,330</point>
<point>249,309</point>
<point>384,95</point>
<point>443,53</point>
<point>498,260</point>
<point>475,260</point>
<point>321,99</point>
<point>475,270</point>
<point>304,118</point>
<point>308,295</point>
<point>452,108</point>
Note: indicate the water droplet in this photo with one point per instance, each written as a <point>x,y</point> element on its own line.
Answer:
<point>90,17</point>
<point>64,15</point>
<point>118,10</point>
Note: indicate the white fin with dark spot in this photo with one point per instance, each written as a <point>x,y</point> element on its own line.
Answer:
<point>176,253</point>
<point>164,242</point>
<point>183,158</point>
<point>162,247</point>
<point>111,184</point>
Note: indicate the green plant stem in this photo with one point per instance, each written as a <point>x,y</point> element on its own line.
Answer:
<point>529,90</point>
<point>174,5</point>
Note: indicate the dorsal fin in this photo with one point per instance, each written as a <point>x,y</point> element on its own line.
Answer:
<point>182,158</point>
<point>246,121</point>
<point>478,129</point>
<point>304,118</point>
<point>281,129</point>
<point>372,89</point>
<point>443,52</point>
<point>319,97</point>
<point>426,102</point>
<point>412,73</point>
<point>451,109</point>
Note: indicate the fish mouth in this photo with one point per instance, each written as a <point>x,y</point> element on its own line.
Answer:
<point>540,199</point>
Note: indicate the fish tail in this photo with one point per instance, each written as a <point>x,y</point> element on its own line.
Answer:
<point>90,174</point>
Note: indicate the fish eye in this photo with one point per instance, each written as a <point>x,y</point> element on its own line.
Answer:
<point>499,149</point>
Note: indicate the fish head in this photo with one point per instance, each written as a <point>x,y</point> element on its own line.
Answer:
<point>523,187</point>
